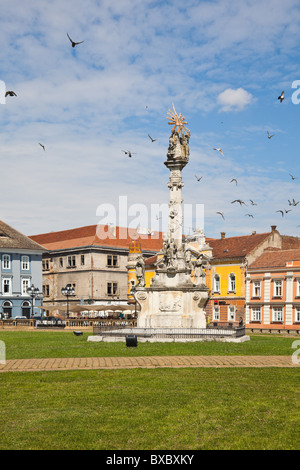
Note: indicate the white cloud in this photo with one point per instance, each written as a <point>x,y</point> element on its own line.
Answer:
<point>234,100</point>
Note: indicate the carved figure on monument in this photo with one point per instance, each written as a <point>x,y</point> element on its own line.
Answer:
<point>199,273</point>
<point>188,259</point>
<point>179,138</point>
<point>171,254</point>
<point>140,271</point>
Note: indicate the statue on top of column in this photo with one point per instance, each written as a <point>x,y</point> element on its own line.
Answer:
<point>179,138</point>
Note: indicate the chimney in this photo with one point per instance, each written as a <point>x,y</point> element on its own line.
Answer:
<point>223,235</point>
<point>273,227</point>
<point>254,232</point>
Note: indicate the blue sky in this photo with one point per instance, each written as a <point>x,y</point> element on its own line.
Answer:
<point>223,65</point>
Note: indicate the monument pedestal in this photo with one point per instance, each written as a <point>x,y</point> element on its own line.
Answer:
<point>172,301</point>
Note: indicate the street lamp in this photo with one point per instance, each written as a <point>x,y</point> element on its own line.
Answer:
<point>33,292</point>
<point>67,291</point>
<point>132,292</point>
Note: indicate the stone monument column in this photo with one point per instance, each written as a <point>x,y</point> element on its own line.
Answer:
<point>173,300</point>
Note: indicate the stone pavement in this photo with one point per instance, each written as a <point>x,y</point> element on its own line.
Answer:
<point>145,362</point>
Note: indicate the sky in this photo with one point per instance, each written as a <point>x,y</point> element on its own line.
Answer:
<point>222,64</point>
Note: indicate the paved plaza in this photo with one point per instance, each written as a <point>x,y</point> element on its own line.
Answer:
<point>144,362</point>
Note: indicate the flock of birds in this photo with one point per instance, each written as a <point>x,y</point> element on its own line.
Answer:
<point>234,180</point>
<point>281,97</point>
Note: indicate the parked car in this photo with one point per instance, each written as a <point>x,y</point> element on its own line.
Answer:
<point>20,317</point>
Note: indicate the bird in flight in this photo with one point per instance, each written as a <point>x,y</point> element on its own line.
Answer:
<point>127,152</point>
<point>43,146</point>
<point>152,140</point>
<point>293,177</point>
<point>219,150</point>
<point>239,201</point>
<point>222,214</point>
<point>252,203</point>
<point>74,43</point>
<point>10,93</point>
<point>269,135</point>
<point>295,203</point>
<point>233,179</point>
<point>249,215</point>
<point>282,213</point>
<point>281,97</point>
<point>287,211</point>
<point>198,179</point>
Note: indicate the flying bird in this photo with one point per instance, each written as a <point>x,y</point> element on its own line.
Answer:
<point>293,177</point>
<point>249,215</point>
<point>74,43</point>
<point>152,140</point>
<point>281,97</point>
<point>127,152</point>
<point>282,213</point>
<point>295,203</point>
<point>219,150</point>
<point>252,203</point>
<point>287,211</point>
<point>10,93</point>
<point>233,179</point>
<point>43,146</point>
<point>198,179</point>
<point>222,214</point>
<point>269,135</point>
<point>239,201</point>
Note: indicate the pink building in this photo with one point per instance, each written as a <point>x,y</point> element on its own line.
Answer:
<point>273,291</point>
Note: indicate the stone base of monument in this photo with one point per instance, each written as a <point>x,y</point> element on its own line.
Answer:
<point>171,308</point>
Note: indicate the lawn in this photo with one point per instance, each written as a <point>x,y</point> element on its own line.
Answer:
<point>49,344</point>
<point>147,409</point>
<point>140,409</point>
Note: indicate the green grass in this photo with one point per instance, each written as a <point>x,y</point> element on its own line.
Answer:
<point>50,344</point>
<point>162,409</point>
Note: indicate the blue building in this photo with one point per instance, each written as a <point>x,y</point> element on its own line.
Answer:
<point>20,268</point>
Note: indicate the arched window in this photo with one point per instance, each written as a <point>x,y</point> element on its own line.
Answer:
<point>217,283</point>
<point>26,309</point>
<point>232,285</point>
<point>7,308</point>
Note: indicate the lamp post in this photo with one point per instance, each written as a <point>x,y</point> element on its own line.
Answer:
<point>67,291</point>
<point>33,292</point>
<point>132,292</point>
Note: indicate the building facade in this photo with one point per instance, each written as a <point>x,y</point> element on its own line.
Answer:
<point>20,268</point>
<point>92,260</point>
<point>273,291</point>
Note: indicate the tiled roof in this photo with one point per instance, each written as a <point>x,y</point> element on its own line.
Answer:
<point>11,238</point>
<point>94,235</point>
<point>235,247</point>
<point>276,258</point>
<point>289,242</point>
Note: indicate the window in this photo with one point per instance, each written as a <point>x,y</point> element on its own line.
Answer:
<point>231,311</point>
<point>112,260</point>
<point>298,288</point>
<point>82,262</point>
<point>61,262</point>
<point>45,264</point>
<point>216,312</point>
<point>6,262</point>
<point>25,285</point>
<point>72,261</point>
<point>277,288</point>
<point>256,288</point>
<point>255,314</point>
<point>25,263</point>
<point>217,283</point>
<point>112,288</point>
<point>297,314</point>
<point>277,314</point>
<point>46,290</point>
<point>232,282</point>
<point>6,286</point>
